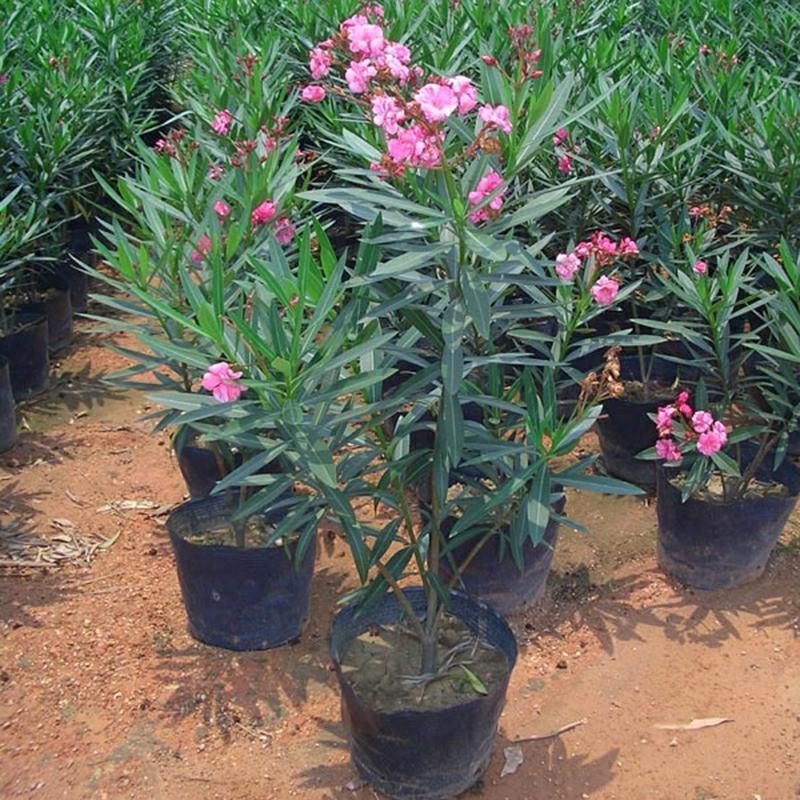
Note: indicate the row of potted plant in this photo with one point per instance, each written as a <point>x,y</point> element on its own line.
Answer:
<point>79,84</point>
<point>442,367</point>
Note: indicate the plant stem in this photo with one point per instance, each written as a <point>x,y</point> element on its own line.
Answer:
<point>433,604</point>
<point>402,600</point>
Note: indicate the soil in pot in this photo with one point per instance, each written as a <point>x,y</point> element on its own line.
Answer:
<point>710,544</point>
<point>379,661</point>
<point>625,428</point>
<point>416,752</point>
<point>25,347</point>
<point>241,598</point>
<point>8,419</point>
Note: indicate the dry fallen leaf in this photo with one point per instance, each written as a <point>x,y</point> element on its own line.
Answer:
<point>696,724</point>
<point>514,759</point>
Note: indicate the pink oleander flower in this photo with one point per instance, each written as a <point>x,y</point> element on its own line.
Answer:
<point>222,381</point>
<point>416,147</point>
<point>604,247</point>
<point>567,264</point>
<point>664,417</point>
<point>560,136</point>
<point>700,267</point>
<point>695,212</point>
<point>284,230</point>
<point>702,421</point>
<point>3,78</point>
<point>319,61</point>
<point>214,172</point>
<point>583,249</point>
<point>366,40</point>
<point>627,247</point>
<point>203,249</point>
<point>387,113</point>
<point>682,404</point>
<point>668,450</point>
<point>358,19</point>
<point>604,290</point>
<point>436,101</point>
<point>495,117</point>
<point>713,440</point>
<point>465,93</point>
<point>564,164</point>
<point>486,185</point>
<point>396,57</point>
<point>221,209</point>
<point>398,51</point>
<point>359,74</point>
<point>313,94</point>
<point>221,123</point>
<point>262,213</point>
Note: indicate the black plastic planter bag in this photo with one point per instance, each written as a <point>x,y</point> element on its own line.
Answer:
<point>426,755</point>
<point>493,576</point>
<point>201,471</point>
<point>625,429</point>
<point>237,598</point>
<point>27,354</point>
<point>717,545</point>
<point>57,307</point>
<point>8,420</point>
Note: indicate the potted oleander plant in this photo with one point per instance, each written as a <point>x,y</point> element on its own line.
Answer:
<point>218,189</point>
<point>727,486</point>
<point>255,363</point>
<point>423,668</point>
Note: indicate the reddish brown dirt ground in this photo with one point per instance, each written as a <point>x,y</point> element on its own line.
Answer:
<point>104,695</point>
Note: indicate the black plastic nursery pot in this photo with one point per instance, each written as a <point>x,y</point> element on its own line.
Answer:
<point>56,305</point>
<point>79,248</point>
<point>78,283</point>
<point>8,418</point>
<point>712,545</point>
<point>26,348</point>
<point>201,471</point>
<point>417,753</point>
<point>625,429</point>
<point>237,598</point>
<point>493,576</point>
<point>199,468</point>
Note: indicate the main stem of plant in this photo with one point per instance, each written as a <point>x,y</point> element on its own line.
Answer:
<point>431,628</point>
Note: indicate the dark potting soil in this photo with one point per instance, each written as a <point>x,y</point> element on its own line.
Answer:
<point>713,492</point>
<point>382,665</point>
<point>650,392</point>
<point>256,535</point>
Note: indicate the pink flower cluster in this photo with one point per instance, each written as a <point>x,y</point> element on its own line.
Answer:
<point>563,156</point>
<point>264,213</point>
<point>604,251</point>
<point>203,249</point>
<point>221,123</point>
<point>488,184</point>
<point>409,106</point>
<point>223,382</point>
<point>700,426</point>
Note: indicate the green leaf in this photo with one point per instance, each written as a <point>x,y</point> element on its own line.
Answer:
<point>474,681</point>
<point>476,298</point>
